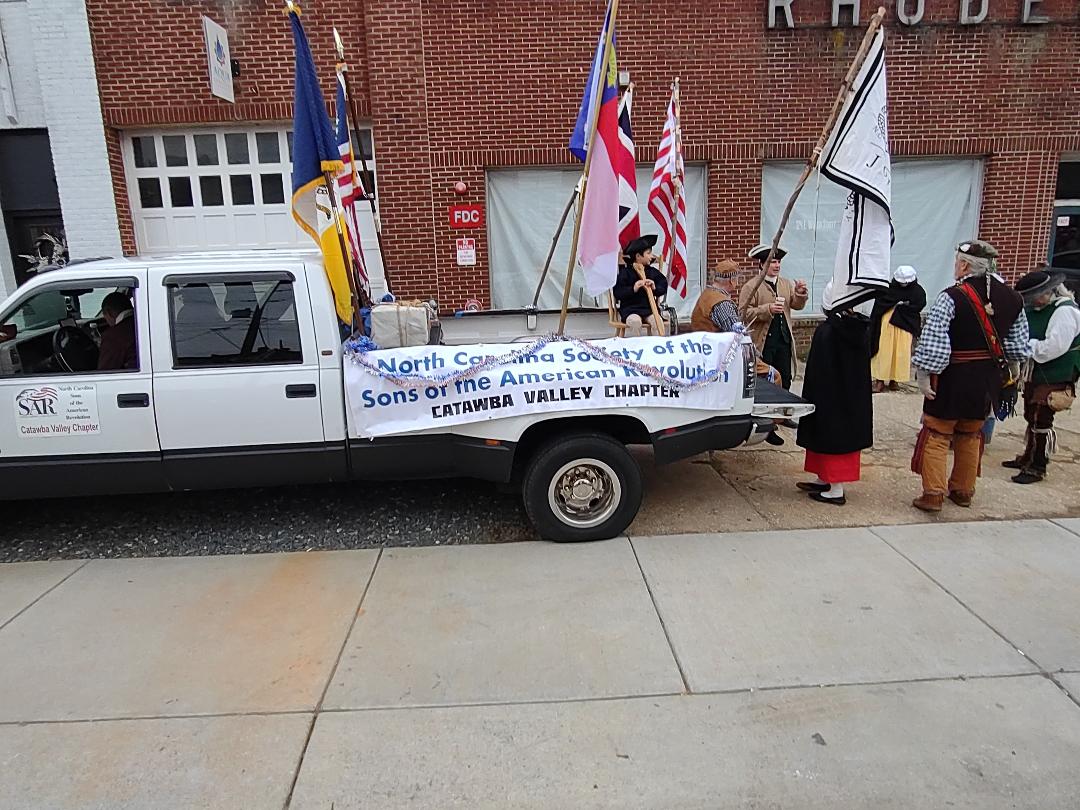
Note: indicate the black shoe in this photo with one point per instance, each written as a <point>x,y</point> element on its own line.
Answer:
<point>790,424</point>
<point>1013,464</point>
<point>1027,477</point>
<point>774,439</point>
<point>811,486</point>
<point>820,498</point>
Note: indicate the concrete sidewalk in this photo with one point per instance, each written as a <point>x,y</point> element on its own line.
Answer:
<point>908,666</point>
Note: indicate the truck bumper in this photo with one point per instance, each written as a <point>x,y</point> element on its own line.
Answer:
<point>718,433</point>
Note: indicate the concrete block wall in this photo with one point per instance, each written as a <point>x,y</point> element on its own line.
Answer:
<point>69,91</point>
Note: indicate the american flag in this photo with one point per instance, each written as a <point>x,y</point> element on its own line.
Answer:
<point>626,164</point>
<point>349,187</point>
<point>667,202</point>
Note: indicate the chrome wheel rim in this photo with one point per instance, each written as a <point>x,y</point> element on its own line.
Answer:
<point>584,493</point>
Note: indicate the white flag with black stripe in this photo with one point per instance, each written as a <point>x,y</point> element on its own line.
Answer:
<point>857,158</point>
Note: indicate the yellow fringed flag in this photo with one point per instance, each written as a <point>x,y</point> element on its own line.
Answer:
<point>315,152</point>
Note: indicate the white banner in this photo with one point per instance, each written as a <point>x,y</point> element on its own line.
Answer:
<point>218,60</point>
<point>561,376</point>
<point>857,158</point>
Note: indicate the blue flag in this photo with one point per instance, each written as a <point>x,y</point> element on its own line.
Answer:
<point>595,93</point>
<point>315,152</point>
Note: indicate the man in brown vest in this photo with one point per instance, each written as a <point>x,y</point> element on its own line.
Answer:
<point>715,311</point>
<point>975,336</point>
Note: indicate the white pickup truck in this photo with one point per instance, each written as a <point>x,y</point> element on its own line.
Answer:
<point>237,378</point>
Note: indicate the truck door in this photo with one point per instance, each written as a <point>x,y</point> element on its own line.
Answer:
<point>78,419</point>
<point>237,388</point>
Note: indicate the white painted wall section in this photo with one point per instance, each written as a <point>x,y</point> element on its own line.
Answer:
<point>68,81</point>
<point>19,68</point>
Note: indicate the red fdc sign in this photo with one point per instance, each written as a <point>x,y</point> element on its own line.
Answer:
<point>466,216</point>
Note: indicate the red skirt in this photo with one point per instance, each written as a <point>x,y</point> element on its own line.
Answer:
<point>834,469</point>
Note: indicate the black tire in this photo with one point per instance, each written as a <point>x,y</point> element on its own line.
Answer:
<point>604,462</point>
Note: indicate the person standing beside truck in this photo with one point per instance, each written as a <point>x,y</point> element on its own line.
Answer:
<point>768,313</point>
<point>838,384</point>
<point>715,311</point>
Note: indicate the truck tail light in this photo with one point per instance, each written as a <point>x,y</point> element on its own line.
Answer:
<point>749,355</point>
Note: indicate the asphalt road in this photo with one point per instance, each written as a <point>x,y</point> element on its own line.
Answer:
<point>421,513</point>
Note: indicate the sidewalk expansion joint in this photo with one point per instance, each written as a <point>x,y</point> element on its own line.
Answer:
<point>660,617</point>
<point>1043,671</point>
<point>741,690</point>
<point>46,593</point>
<point>143,717</point>
<point>330,678</point>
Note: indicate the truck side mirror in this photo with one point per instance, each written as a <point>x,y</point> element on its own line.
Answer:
<point>8,332</point>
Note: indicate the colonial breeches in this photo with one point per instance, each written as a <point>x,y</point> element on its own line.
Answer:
<point>932,454</point>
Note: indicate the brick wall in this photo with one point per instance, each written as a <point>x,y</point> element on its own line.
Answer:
<point>456,86</point>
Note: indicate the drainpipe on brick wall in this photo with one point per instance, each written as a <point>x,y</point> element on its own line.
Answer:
<point>69,89</point>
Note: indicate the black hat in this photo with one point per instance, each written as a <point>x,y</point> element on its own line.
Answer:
<point>1034,284</point>
<point>639,245</point>
<point>761,253</point>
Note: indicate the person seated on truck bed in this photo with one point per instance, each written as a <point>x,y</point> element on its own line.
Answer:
<point>715,311</point>
<point>630,288</point>
<point>119,348</point>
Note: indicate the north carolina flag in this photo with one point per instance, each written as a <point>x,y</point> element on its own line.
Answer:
<point>315,151</point>
<point>598,242</point>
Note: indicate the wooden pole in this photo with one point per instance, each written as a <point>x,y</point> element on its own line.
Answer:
<point>602,80</point>
<point>350,270</point>
<point>652,300</point>
<point>365,176</point>
<point>554,243</point>
<point>815,156</point>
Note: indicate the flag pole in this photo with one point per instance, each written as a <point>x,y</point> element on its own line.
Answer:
<point>369,184</point>
<point>594,119</point>
<point>668,259</point>
<point>355,291</point>
<point>815,156</point>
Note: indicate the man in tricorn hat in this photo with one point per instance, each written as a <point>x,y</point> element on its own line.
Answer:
<point>768,313</point>
<point>970,350</point>
<point>1050,380</point>
<point>630,288</point>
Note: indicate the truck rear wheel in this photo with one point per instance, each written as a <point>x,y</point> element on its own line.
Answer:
<point>584,486</point>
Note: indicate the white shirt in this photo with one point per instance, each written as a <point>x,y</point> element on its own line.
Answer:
<point>1062,330</point>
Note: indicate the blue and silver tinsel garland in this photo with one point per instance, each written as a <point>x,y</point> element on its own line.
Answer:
<point>357,348</point>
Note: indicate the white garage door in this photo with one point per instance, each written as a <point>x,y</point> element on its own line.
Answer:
<point>222,189</point>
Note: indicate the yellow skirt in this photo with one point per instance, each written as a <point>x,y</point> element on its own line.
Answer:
<point>893,360</point>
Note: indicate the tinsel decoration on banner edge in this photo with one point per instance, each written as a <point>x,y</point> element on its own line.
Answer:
<point>357,348</point>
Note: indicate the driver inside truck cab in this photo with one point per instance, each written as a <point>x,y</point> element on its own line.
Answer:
<point>119,348</point>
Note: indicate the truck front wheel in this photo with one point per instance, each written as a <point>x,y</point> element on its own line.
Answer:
<point>584,486</point>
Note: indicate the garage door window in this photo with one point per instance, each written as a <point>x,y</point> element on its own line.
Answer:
<point>217,189</point>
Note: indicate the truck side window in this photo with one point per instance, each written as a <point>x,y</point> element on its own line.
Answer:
<point>76,330</point>
<point>234,323</point>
